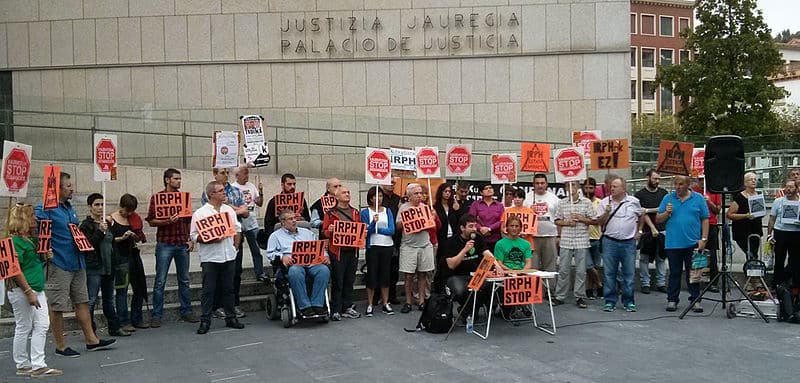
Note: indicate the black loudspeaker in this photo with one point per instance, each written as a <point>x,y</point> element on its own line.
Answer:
<point>724,164</point>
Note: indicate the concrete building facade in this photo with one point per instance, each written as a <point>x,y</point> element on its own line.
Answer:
<point>329,76</point>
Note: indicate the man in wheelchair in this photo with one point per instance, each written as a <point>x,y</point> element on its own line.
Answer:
<point>279,247</point>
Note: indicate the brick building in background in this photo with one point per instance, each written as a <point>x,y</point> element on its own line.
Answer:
<point>656,27</point>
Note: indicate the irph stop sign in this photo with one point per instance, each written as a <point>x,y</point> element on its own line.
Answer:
<point>18,168</point>
<point>458,160</point>
<point>427,161</point>
<point>106,155</point>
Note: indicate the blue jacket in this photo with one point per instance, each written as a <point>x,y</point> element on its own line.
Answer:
<point>366,218</point>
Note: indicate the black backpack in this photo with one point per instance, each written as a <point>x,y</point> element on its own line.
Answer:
<point>788,306</point>
<point>437,317</point>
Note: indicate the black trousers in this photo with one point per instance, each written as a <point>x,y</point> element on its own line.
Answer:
<point>217,277</point>
<point>343,276</point>
<point>460,293</point>
<point>787,242</point>
<point>394,273</point>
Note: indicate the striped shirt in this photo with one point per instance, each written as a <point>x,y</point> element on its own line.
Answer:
<point>574,237</point>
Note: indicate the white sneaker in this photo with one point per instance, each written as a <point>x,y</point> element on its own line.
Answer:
<point>387,309</point>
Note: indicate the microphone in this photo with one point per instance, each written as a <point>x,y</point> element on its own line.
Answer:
<point>472,236</point>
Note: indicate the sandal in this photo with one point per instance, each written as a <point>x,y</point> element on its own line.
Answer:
<point>24,371</point>
<point>46,371</point>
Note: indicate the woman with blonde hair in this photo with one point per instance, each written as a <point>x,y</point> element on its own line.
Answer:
<point>27,296</point>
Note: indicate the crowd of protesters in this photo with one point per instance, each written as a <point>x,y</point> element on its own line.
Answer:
<point>599,236</point>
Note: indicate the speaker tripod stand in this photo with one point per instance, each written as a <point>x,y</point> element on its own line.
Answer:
<point>724,277</point>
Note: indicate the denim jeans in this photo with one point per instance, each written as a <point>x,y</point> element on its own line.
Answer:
<point>618,255</point>
<point>105,285</point>
<point>678,260</point>
<point>164,255</point>
<point>297,280</point>
<point>595,258</point>
<point>255,252</point>
<point>644,271</point>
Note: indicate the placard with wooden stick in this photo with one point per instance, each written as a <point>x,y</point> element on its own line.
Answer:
<point>170,204</point>
<point>45,236</point>
<point>416,219</point>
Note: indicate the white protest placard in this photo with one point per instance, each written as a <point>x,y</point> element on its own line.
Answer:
<point>791,212</point>
<point>377,166</point>
<point>255,148</point>
<point>403,159</point>
<point>569,164</point>
<point>758,207</point>
<point>16,169</point>
<point>458,160</point>
<point>225,149</point>
<point>427,162</point>
<point>504,168</point>
<point>105,157</point>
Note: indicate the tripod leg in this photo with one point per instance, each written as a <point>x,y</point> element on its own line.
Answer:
<point>700,296</point>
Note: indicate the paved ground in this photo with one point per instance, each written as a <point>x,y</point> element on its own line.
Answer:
<point>645,346</point>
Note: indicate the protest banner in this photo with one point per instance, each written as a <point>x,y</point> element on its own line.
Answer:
<point>377,166</point>
<point>535,157</point>
<point>481,273</point>
<point>610,154</point>
<point>291,201</point>
<point>215,226</point>
<point>698,162</point>
<point>522,290</point>
<point>328,202</point>
<point>349,234</point>
<point>308,253</point>
<point>458,160</point>
<point>675,157</point>
<point>9,262</point>
<point>16,169</point>
<point>45,236</point>
<point>255,148</point>
<point>79,238</point>
<point>790,215</point>
<point>504,168</point>
<point>402,159</point>
<point>757,205</point>
<point>569,164</point>
<point>170,204</point>
<point>225,149</point>
<point>528,219</point>
<point>416,219</point>
<point>51,186</point>
<point>105,157</point>
<point>583,138</point>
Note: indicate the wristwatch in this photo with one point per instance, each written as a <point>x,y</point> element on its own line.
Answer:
<point>704,239</point>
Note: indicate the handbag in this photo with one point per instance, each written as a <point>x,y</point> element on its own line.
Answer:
<point>700,271</point>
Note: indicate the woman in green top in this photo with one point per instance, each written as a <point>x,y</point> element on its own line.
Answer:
<point>27,298</point>
<point>513,252</point>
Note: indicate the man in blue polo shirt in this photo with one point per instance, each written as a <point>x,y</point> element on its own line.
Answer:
<point>686,215</point>
<point>66,275</point>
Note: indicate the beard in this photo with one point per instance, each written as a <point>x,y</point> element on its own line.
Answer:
<point>652,185</point>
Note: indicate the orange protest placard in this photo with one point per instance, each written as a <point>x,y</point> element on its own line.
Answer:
<point>535,157</point>
<point>291,201</point>
<point>328,202</point>
<point>307,253</point>
<point>481,273</point>
<point>610,154</point>
<point>215,226</point>
<point>52,184</point>
<point>523,290</point>
<point>169,204</point>
<point>675,157</point>
<point>45,234</point>
<point>9,262</point>
<point>79,238</point>
<point>416,219</point>
<point>349,234</point>
<point>526,216</point>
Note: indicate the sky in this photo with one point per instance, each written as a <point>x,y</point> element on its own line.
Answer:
<point>781,14</point>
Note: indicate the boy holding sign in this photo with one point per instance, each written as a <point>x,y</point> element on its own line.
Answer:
<point>344,251</point>
<point>217,251</point>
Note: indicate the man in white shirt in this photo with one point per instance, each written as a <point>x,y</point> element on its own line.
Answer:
<point>253,199</point>
<point>544,204</point>
<point>217,257</point>
<point>620,216</point>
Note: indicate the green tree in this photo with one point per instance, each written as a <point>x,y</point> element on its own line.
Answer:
<point>725,89</point>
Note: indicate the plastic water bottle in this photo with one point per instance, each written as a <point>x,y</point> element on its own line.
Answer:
<point>469,324</point>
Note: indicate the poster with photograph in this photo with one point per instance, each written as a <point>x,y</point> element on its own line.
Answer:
<point>790,213</point>
<point>758,207</point>
<point>255,148</point>
<point>225,149</point>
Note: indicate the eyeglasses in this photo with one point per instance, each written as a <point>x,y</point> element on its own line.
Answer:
<point>219,191</point>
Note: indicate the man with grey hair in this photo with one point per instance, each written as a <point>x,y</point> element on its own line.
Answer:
<point>217,256</point>
<point>620,216</point>
<point>416,250</point>
<point>318,210</point>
